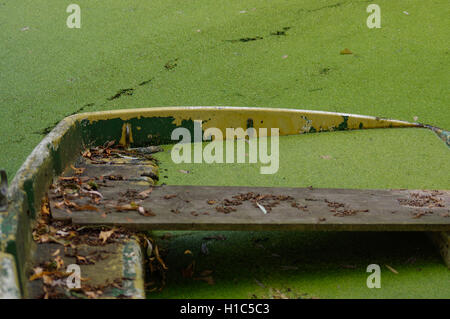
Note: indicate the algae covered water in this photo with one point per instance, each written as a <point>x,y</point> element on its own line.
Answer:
<point>380,158</point>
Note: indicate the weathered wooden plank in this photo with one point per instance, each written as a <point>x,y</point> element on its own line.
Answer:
<point>235,208</point>
<point>117,169</point>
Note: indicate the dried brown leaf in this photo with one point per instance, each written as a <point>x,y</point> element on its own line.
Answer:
<point>392,269</point>
<point>346,51</point>
<point>78,171</point>
<point>104,235</point>
<point>158,257</point>
<point>145,194</point>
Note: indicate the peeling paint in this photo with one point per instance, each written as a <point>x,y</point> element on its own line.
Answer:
<point>127,135</point>
<point>344,125</point>
<point>133,270</point>
<point>442,134</point>
<point>9,285</point>
<point>223,117</point>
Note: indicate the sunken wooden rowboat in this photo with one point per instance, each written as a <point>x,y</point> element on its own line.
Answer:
<point>40,218</point>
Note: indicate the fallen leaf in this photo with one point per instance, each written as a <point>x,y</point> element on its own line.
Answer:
<point>91,294</point>
<point>81,259</point>
<point>87,207</point>
<point>392,269</point>
<point>279,295</point>
<point>110,143</point>
<point>62,233</point>
<point>104,235</point>
<point>346,51</point>
<point>47,279</point>
<point>170,196</point>
<point>127,207</point>
<point>149,248</point>
<point>39,273</point>
<point>77,171</point>
<point>145,212</point>
<point>96,193</point>
<point>52,230</point>
<point>87,154</point>
<point>145,194</point>
<point>262,208</point>
<point>45,209</point>
<point>38,270</point>
<point>158,257</point>
<point>36,276</point>
<point>44,238</point>
<point>58,205</point>
<point>59,262</point>
<point>68,178</point>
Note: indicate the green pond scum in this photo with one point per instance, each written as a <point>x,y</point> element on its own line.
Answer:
<point>301,265</point>
<point>371,159</point>
<point>258,53</point>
